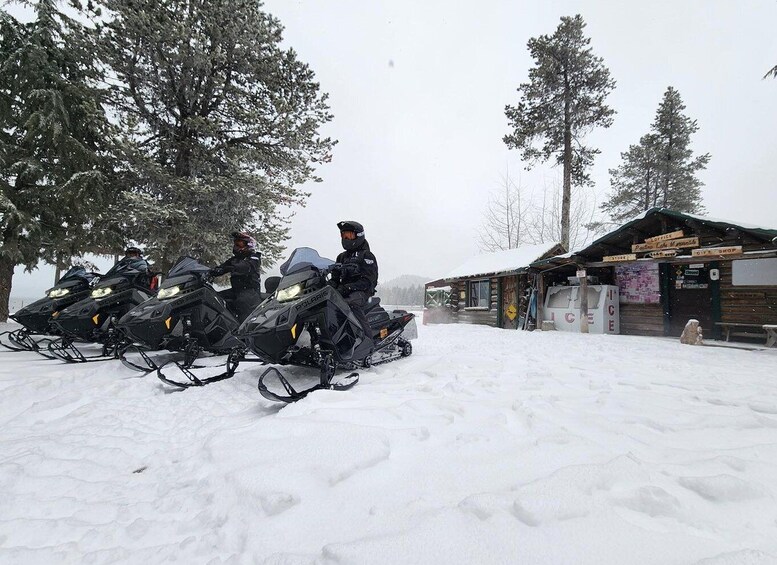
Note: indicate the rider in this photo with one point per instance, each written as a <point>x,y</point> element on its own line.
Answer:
<point>133,258</point>
<point>357,275</point>
<point>246,279</point>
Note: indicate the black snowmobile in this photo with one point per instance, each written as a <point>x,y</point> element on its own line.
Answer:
<point>93,319</point>
<point>189,316</point>
<point>308,323</point>
<point>36,318</point>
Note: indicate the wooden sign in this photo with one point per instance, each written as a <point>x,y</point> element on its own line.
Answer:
<point>665,237</point>
<point>668,244</point>
<point>616,258</point>
<point>511,312</point>
<point>663,254</point>
<point>715,251</point>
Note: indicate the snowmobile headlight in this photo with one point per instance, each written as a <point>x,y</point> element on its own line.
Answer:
<point>289,293</point>
<point>59,292</point>
<point>102,292</point>
<point>168,292</point>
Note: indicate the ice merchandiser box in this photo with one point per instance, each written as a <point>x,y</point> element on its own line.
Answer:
<point>562,305</point>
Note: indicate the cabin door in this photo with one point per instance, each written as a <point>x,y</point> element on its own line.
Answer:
<point>690,296</point>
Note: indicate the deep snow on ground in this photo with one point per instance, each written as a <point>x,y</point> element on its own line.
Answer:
<point>485,446</point>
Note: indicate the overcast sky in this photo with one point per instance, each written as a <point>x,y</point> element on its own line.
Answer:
<point>418,91</point>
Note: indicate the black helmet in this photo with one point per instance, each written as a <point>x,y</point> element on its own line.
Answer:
<point>132,250</point>
<point>242,243</point>
<point>358,230</point>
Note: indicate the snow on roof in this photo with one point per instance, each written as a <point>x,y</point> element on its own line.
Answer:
<point>501,261</point>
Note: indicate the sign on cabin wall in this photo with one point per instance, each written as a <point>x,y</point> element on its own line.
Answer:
<point>617,258</point>
<point>638,283</point>
<point>667,253</point>
<point>665,237</point>
<point>667,244</point>
<point>715,251</point>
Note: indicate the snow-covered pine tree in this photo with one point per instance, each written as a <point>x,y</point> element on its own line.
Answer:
<point>661,170</point>
<point>221,123</point>
<point>53,142</point>
<point>680,187</point>
<point>563,101</point>
<point>636,183</point>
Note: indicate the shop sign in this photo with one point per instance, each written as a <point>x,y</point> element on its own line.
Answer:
<point>616,258</point>
<point>665,237</point>
<point>511,312</point>
<point>715,251</point>
<point>663,254</point>
<point>668,244</point>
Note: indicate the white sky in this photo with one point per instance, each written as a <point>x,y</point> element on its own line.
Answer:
<point>418,91</point>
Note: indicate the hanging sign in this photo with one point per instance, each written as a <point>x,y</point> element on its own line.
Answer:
<point>714,251</point>
<point>511,312</point>
<point>616,258</point>
<point>668,244</point>
<point>665,237</point>
<point>663,254</point>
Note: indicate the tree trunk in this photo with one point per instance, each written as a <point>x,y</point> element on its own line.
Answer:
<point>566,196</point>
<point>6,277</point>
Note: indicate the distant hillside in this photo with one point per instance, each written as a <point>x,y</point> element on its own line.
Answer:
<point>405,281</point>
<point>405,290</point>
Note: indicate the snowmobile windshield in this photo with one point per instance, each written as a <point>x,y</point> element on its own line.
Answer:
<point>74,273</point>
<point>304,258</point>
<point>187,265</point>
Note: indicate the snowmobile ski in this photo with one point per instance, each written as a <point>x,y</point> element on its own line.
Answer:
<point>328,381</point>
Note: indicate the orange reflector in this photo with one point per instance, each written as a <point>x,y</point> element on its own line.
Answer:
<point>96,319</point>
<point>383,333</point>
<point>55,314</point>
<point>168,322</point>
<point>294,331</point>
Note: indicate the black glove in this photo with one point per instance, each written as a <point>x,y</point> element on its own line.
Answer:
<point>217,271</point>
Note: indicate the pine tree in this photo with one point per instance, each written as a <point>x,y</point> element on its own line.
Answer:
<point>563,100</point>
<point>681,189</point>
<point>661,170</point>
<point>53,142</point>
<point>222,123</point>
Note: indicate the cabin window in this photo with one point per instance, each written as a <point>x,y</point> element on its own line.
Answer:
<point>754,272</point>
<point>479,294</point>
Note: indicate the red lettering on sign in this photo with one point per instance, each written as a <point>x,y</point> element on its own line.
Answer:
<point>590,318</point>
<point>569,317</point>
<point>611,309</point>
<point>612,325</point>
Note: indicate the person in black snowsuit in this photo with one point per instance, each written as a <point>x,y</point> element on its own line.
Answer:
<point>356,274</point>
<point>246,278</point>
<point>133,258</point>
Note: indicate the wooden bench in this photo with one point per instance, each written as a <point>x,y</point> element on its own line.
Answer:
<point>750,330</point>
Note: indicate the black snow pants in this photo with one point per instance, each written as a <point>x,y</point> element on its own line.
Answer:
<point>357,300</point>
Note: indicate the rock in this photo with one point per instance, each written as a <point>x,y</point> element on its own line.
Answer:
<point>548,325</point>
<point>692,333</point>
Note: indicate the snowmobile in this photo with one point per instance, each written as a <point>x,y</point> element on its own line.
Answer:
<point>93,319</point>
<point>187,316</point>
<point>37,318</point>
<point>308,323</point>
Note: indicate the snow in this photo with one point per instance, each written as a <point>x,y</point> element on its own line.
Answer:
<point>485,446</point>
<point>501,261</point>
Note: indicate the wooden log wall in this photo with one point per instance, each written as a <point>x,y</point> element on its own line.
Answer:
<point>463,314</point>
<point>642,319</point>
<point>746,304</point>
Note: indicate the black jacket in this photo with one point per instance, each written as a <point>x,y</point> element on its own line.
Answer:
<point>359,271</point>
<point>246,271</point>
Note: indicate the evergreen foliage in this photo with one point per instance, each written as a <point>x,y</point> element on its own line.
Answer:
<point>54,142</point>
<point>220,123</point>
<point>563,101</point>
<point>661,169</point>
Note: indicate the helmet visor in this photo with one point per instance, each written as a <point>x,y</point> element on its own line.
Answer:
<point>348,234</point>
